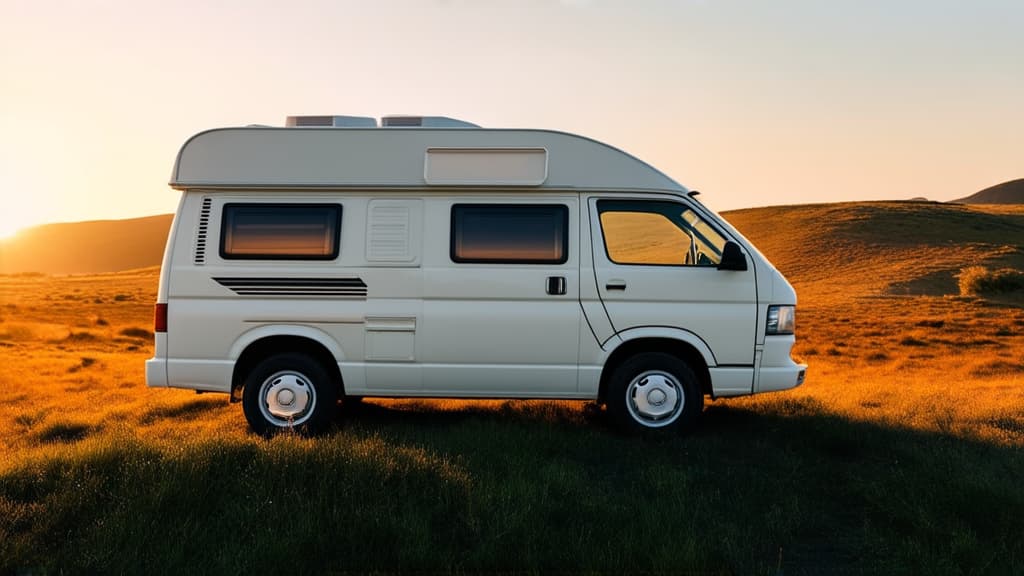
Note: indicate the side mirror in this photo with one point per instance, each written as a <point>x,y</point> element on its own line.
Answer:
<point>732,257</point>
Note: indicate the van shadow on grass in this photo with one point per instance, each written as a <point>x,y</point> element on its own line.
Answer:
<point>445,413</point>
<point>783,488</point>
<point>828,494</point>
<point>188,411</point>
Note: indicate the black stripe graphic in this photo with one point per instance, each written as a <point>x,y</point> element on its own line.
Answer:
<point>339,287</point>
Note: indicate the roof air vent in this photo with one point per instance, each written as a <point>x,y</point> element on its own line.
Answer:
<point>331,121</point>
<point>424,122</point>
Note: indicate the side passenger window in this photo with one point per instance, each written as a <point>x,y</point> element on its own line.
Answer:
<point>510,233</point>
<point>655,233</point>
<point>280,231</point>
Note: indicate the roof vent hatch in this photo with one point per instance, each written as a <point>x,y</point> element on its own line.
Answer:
<point>424,122</point>
<point>331,121</point>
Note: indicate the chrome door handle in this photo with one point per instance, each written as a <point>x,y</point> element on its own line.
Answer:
<point>556,285</point>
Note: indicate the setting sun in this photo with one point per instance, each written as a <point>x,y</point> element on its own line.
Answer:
<point>28,212</point>
<point>9,227</point>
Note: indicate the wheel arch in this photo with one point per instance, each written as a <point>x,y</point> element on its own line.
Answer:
<point>682,345</point>
<point>261,343</point>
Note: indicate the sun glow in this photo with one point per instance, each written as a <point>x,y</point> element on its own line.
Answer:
<point>9,227</point>
<point>22,214</point>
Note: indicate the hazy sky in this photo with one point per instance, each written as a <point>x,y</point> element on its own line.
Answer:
<point>753,102</point>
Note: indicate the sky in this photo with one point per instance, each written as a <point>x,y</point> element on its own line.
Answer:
<point>752,102</point>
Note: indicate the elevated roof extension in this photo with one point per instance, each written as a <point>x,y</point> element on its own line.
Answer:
<point>401,158</point>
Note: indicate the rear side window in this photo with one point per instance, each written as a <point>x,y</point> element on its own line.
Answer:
<point>510,233</point>
<point>280,231</point>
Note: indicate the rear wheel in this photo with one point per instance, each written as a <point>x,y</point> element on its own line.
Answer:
<point>289,392</point>
<point>654,391</point>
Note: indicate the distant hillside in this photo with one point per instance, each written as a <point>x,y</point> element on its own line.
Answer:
<point>828,251</point>
<point>87,247</point>
<point>834,251</point>
<point>1011,192</point>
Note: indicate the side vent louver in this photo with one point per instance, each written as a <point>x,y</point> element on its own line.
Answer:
<point>393,230</point>
<point>204,224</point>
<point>388,234</point>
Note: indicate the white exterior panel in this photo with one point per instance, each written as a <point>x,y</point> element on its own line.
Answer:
<point>394,158</point>
<point>486,166</point>
<point>718,307</point>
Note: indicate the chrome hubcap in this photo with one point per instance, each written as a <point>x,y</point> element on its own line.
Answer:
<point>287,398</point>
<point>655,398</point>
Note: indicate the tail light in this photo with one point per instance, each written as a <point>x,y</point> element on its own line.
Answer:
<point>160,318</point>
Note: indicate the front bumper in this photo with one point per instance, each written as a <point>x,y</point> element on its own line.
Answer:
<point>773,378</point>
<point>775,369</point>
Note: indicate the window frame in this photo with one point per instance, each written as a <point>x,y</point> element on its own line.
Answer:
<point>335,238</point>
<point>647,201</point>
<point>561,209</point>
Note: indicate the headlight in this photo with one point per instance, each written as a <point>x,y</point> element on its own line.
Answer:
<point>781,320</point>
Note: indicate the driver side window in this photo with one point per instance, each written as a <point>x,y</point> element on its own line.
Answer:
<point>656,233</point>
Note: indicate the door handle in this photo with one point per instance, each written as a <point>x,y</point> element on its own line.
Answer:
<point>615,284</point>
<point>556,285</point>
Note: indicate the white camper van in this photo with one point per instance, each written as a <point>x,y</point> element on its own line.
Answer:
<point>427,257</point>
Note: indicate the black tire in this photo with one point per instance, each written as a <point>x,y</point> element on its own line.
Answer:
<point>289,392</point>
<point>654,392</point>
<point>350,405</point>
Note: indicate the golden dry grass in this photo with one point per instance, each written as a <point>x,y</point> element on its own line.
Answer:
<point>912,394</point>
<point>72,348</point>
<point>880,320</point>
<point>949,365</point>
<point>72,351</point>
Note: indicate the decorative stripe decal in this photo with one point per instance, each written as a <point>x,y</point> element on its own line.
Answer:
<point>337,287</point>
<point>204,223</point>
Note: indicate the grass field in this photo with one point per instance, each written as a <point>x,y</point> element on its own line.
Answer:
<point>903,453</point>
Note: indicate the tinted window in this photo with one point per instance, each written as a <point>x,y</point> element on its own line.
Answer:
<point>280,231</point>
<point>657,233</point>
<point>536,234</point>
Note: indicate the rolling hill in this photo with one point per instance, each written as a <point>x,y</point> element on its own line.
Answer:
<point>1011,192</point>
<point>86,247</point>
<point>828,251</point>
<point>836,251</point>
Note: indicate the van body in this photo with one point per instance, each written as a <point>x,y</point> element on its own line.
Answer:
<point>321,261</point>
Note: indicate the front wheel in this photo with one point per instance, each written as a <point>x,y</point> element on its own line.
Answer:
<point>654,391</point>
<point>289,392</point>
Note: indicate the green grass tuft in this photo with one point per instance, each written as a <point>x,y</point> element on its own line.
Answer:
<point>980,281</point>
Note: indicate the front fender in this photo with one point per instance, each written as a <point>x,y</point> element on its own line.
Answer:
<point>667,332</point>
